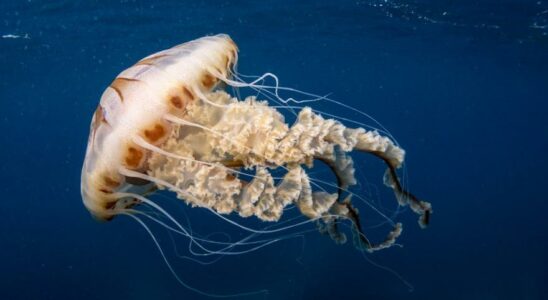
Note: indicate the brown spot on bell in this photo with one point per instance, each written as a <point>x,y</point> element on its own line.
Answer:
<point>208,81</point>
<point>109,182</point>
<point>134,157</point>
<point>155,133</point>
<point>176,102</point>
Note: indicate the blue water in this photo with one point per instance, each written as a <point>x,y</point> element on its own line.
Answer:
<point>463,85</point>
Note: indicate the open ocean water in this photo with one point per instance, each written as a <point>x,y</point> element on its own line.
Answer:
<point>462,85</point>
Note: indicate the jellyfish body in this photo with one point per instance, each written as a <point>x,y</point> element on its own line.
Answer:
<point>165,123</point>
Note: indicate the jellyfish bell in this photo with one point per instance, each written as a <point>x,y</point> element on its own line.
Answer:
<point>166,123</point>
<point>134,105</point>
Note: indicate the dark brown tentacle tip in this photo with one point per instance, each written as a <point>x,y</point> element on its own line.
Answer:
<point>404,197</point>
<point>424,219</point>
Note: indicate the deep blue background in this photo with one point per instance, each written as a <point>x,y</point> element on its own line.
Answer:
<point>463,85</point>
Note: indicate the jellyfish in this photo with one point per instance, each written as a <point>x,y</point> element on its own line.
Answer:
<point>168,123</point>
